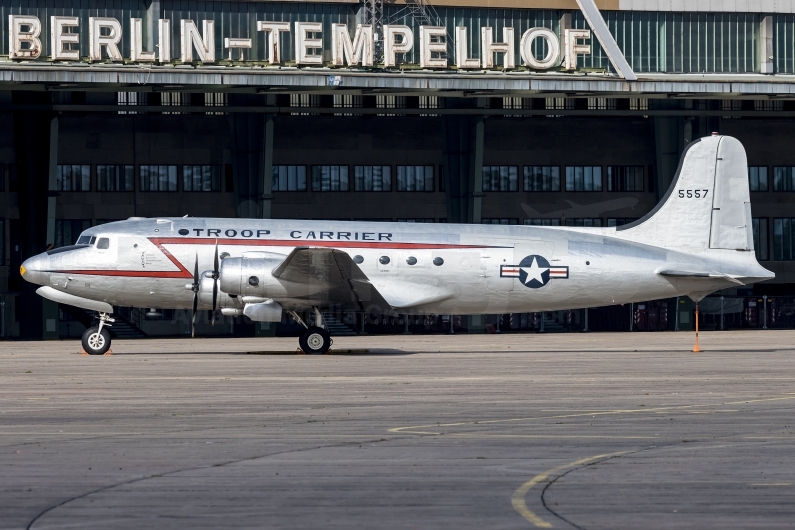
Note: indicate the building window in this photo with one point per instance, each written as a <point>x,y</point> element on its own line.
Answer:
<point>304,100</point>
<point>115,178</point>
<point>625,178</point>
<point>500,178</point>
<point>429,102</point>
<point>158,178</point>
<point>330,178</point>
<point>390,102</point>
<point>215,99</point>
<point>347,101</point>
<point>638,104</point>
<point>760,238</point>
<point>124,99</point>
<point>542,178</point>
<point>542,222</point>
<point>588,221</point>
<point>499,221</point>
<point>601,104</point>
<point>584,178</point>
<point>73,178</point>
<point>757,178</point>
<point>289,178</point>
<point>558,104</point>
<point>784,179</point>
<point>768,105</point>
<point>415,178</point>
<point>201,178</point>
<point>373,178</point>
<point>423,220</point>
<point>2,242</point>
<point>174,99</point>
<point>783,239</point>
<point>619,221</point>
<point>516,104</point>
<point>68,230</point>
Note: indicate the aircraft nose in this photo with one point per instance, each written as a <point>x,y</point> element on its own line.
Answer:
<point>34,270</point>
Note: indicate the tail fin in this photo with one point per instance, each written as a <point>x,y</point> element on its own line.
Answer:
<point>708,205</point>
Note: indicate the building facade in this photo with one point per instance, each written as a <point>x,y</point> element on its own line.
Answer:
<point>541,112</point>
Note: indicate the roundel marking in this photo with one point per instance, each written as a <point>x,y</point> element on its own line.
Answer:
<point>534,271</point>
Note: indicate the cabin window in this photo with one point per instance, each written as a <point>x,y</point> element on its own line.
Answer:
<point>438,262</point>
<point>103,243</point>
<point>384,260</point>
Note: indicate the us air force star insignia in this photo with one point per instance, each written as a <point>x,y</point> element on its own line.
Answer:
<point>534,271</point>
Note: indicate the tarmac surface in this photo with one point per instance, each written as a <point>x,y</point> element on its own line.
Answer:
<point>587,431</point>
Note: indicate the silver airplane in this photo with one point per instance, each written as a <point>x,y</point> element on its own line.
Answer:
<point>697,240</point>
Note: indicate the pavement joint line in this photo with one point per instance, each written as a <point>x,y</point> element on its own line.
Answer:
<point>518,497</point>
<point>409,429</point>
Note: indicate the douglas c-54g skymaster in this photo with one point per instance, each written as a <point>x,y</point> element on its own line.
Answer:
<point>697,240</point>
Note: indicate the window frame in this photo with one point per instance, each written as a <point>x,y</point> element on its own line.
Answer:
<point>425,179</point>
<point>527,173</point>
<point>215,178</point>
<point>486,184</point>
<point>118,169</point>
<point>574,169</point>
<point>384,178</point>
<point>757,178</point>
<point>145,185</point>
<point>84,178</point>
<point>277,168</point>
<point>623,178</point>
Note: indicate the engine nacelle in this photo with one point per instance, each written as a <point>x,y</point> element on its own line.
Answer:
<point>265,312</point>
<point>249,276</point>
<point>206,294</point>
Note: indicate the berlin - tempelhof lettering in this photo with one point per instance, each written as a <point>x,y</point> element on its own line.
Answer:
<point>105,35</point>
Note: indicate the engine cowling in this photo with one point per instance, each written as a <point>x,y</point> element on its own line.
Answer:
<point>249,276</point>
<point>206,294</point>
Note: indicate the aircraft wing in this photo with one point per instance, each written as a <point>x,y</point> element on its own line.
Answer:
<point>335,280</point>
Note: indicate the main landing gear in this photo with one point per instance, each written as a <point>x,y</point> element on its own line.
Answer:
<point>96,339</point>
<point>315,339</point>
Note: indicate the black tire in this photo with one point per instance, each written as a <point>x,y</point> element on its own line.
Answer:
<point>96,343</point>
<point>315,341</point>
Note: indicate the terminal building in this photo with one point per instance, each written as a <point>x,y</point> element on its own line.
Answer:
<point>544,112</point>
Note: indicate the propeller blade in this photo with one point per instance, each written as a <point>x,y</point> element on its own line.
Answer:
<point>216,274</point>
<point>195,296</point>
<point>196,271</point>
<point>193,316</point>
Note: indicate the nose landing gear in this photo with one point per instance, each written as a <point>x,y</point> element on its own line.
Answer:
<point>96,339</point>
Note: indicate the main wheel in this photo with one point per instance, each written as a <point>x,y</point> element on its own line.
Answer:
<point>94,342</point>
<point>315,341</point>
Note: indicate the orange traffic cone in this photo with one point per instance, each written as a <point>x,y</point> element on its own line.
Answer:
<point>696,349</point>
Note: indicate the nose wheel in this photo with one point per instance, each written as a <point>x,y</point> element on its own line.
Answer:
<point>96,341</point>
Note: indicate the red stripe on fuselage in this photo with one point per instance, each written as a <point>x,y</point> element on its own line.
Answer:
<point>186,274</point>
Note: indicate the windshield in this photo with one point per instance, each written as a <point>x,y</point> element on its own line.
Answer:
<point>65,249</point>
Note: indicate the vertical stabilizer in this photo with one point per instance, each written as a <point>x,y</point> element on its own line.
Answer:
<point>708,204</point>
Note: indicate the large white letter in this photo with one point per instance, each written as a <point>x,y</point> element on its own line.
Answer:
<point>461,56</point>
<point>303,43</point>
<point>204,44</point>
<point>58,38</point>
<point>16,36</point>
<point>391,47</point>
<point>164,38</point>
<point>360,50</point>
<point>488,48</point>
<point>273,29</point>
<point>428,46</point>
<point>571,36</point>
<point>526,48</point>
<point>137,53</point>
<point>97,40</point>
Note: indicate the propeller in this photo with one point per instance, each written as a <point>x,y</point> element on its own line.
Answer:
<point>195,289</point>
<point>216,275</point>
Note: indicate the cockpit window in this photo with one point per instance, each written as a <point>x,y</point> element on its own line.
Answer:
<point>84,240</point>
<point>103,243</point>
<point>93,240</point>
